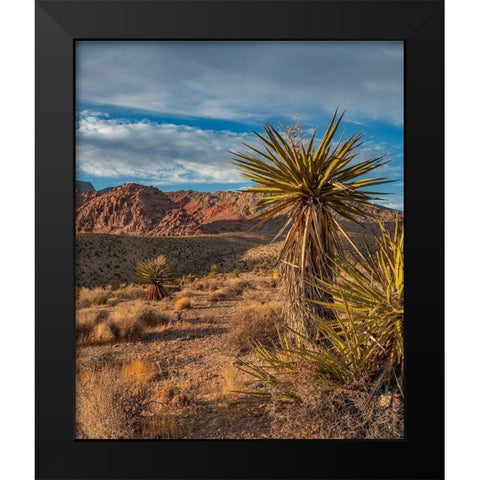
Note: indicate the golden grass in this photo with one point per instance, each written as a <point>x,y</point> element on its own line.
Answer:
<point>130,292</point>
<point>126,320</point>
<point>95,296</point>
<point>151,317</point>
<point>218,297</point>
<point>182,303</point>
<point>140,370</point>
<point>126,326</point>
<point>110,405</point>
<point>258,323</point>
<point>87,321</point>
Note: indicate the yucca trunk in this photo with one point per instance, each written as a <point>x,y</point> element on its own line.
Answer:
<point>307,254</point>
<point>157,292</point>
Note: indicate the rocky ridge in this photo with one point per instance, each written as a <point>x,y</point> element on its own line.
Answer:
<point>141,210</point>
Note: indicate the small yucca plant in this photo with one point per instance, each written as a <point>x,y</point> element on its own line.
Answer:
<point>155,273</point>
<point>308,183</point>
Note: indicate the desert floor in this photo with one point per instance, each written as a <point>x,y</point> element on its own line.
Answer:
<point>190,364</point>
<point>174,368</point>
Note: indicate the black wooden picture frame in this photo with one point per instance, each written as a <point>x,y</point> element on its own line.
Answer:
<point>420,25</point>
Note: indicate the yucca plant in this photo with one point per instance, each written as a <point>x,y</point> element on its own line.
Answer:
<point>155,273</point>
<point>363,343</point>
<point>308,183</point>
<point>371,288</point>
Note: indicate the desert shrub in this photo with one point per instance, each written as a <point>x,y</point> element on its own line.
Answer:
<point>218,297</point>
<point>236,288</point>
<point>140,370</point>
<point>95,296</point>
<point>86,321</point>
<point>109,404</point>
<point>256,325</point>
<point>129,292</point>
<point>103,333</point>
<point>182,303</point>
<point>152,318</point>
<point>126,325</point>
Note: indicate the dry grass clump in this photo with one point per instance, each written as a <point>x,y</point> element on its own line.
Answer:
<point>152,318</point>
<point>257,324</point>
<point>338,414</point>
<point>86,321</point>
<point>130,322</point>
<point>140,370</point>
<point>129,292</point>
<point>127,321</point>
<point>111,404</point>
<point>103,333</point>
<point>236,287</point>
<point>95,296</point>
<point>182,303</point>
<point>126,325</point>
<point>218,297</point>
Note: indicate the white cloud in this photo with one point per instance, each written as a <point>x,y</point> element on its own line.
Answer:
<point>157,153</point>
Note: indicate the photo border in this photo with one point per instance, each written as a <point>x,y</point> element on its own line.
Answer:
<point>420,24</point>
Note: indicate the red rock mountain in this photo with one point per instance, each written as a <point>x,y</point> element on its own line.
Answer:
<point>223,211</point>
<point>139,210</point>
<point>133,209</point>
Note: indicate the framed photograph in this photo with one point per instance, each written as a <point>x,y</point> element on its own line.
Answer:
<point>239,239</point>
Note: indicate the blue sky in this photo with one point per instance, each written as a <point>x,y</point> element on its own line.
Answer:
<point>168,113</point>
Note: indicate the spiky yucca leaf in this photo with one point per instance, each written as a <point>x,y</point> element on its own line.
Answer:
<point>372,288</point>
<point>156,273</point>
<point>363,343</point>
<point>307,183</point>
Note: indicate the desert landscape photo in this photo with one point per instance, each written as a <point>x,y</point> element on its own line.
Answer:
<point>239,240</point>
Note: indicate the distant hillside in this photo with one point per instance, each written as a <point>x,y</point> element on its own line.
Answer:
<point>146,211</point>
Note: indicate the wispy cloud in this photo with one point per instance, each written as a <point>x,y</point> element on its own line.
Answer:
<point>246,81</point>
